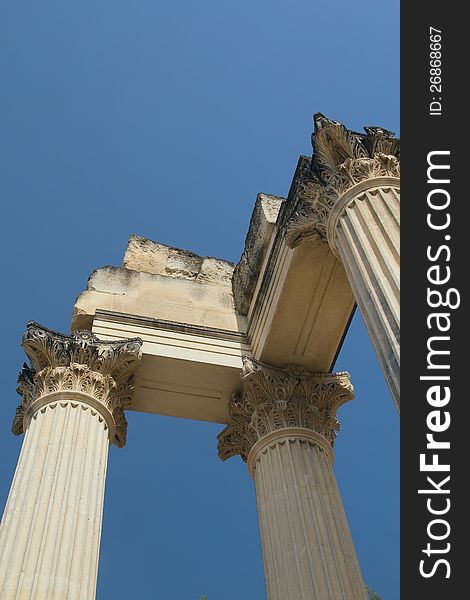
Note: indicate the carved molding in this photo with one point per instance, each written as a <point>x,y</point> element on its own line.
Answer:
<point>276,398</point>
<point>102,370</point>
<point>341,159</point>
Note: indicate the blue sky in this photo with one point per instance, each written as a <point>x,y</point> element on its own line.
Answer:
<point>165,119</point>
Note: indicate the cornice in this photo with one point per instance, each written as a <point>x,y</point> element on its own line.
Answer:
<point>172,326</point>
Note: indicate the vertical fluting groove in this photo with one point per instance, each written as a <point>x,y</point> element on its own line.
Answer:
<point>21,526</point>
<point>346,536</point>
<point>81,540</point>
<point>55,497</point>
<point>276,512</point>
<point>385,343</point>
<point>334,517</point>
<point>266,541</point>
<point>91,504</point>
<point>371,263</point>
<point>10,524</point>
<point>286,488</point>
<point>372,303</point>
<point>366,296</point>
<point>77,539</point>
<point>49,541</point>
<point>389,228</point>
<point>272,570</point>
<point>94,557</point>
<point>70,516</point>
<point>391,200</point>
<point>348,543</point>
<point>384,264</point>
<point>307,546</point>
<point>16,476</point>
<point>337,524</point>
<point>300,509</point>
<point>65,460</point>
<point>328,517</point>
<point>368,241</point>
<point>80,524</point>
<point>89,562</point>
<point>328,544</point>
<point>90,575</point>
<point>307,466</point>
<point>23,545</point>
<point>64,473</point>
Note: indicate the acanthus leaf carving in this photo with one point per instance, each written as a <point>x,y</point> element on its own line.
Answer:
<point>275,398</point>
<point>341,159</point>
<point>81,363</point>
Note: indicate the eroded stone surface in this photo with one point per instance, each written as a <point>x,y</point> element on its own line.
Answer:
<point>147,256</point>
<point>162,282</point>
<point>246,273</point>
<point>204,300</point>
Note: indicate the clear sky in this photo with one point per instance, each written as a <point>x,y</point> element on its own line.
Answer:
<point>165,119</point>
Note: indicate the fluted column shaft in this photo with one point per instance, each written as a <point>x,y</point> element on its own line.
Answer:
<point>284,425</point>
<point>364,231</point>
<point>307,546</point>
<point>74,395</point>
<point>50,536</point>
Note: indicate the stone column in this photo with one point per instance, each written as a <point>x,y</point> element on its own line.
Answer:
<point>350,196</point>
<point>284,426</point>
<point>73,394</point>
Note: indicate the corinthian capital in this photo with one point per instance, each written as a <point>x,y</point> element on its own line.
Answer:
<point>276,398</point>
<point>341,159</point>
<point>92,368</point>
